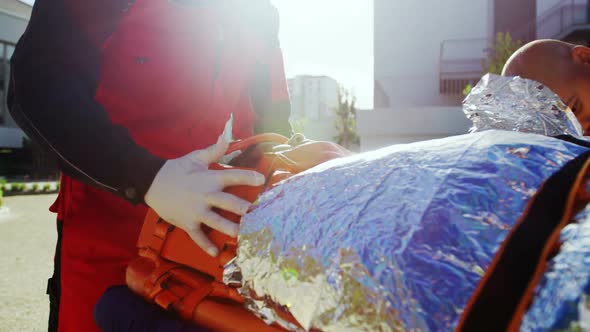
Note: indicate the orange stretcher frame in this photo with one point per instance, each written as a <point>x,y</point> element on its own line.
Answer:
<point>173,272</point>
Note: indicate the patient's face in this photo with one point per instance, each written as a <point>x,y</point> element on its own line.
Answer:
<point>575,92</point>
<point>579,97</point>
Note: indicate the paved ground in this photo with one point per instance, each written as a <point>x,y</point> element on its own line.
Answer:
<point>27,243</point>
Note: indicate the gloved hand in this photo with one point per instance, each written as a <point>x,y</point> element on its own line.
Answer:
<point>184,191</point>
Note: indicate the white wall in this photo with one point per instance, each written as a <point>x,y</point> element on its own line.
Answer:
<point>313,99</point>
<point>555,18</point>
<point>11,27</point>
<point>11,138</point>
<point>379,128</point>
<point>323,130</point>
<point>14,17</point>
<point>408,35</point>
<point>544,5</point>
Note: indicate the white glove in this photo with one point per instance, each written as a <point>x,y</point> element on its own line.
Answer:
<point>184,191</point>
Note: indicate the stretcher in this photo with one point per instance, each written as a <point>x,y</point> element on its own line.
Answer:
<point>176,275</point>
<point>173,272</point>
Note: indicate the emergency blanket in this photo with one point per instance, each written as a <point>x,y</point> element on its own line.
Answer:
<point>562,298</point>
<point>518,104</point>
<point>395,239</point>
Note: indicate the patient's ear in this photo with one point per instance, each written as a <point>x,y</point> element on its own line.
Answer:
<point>581,54</point>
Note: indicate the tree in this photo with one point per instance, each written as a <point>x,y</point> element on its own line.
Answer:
<point>345,121</point>
<point>298,125</point>
<point>467,90</point>
<point>501,50</point>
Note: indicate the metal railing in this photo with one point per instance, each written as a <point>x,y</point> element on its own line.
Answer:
<point>460,59</point>
<point>563,20</point>
<point>558,21</point>
<point>6,53</point>
<point>460,63</point>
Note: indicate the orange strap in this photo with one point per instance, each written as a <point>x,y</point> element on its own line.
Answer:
<point>245,143</point>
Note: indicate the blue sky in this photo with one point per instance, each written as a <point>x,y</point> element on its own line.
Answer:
<point>328,37</point>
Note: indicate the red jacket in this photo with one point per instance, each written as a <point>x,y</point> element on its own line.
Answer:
<point>120,88</point>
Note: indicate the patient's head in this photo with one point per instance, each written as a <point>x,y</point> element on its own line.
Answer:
<point>563,67</point>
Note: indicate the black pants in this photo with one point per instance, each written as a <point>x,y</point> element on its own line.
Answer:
<point>54,284</point>
<point>120,310</point>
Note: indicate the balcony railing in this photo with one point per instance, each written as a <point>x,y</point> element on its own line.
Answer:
<point>460,59</point>
<point>460,63</point>
<point>564,20</point>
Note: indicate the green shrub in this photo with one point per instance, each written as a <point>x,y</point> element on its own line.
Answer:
<point>57,185</point>
<point>47,187</point>
<point>2,181</point>
<point>467,90</point>
<point>345,121</point>
<point>502,49</point>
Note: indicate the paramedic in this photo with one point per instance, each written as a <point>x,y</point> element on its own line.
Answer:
<point>131,98</point>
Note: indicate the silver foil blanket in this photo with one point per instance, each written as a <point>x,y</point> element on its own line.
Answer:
<point>562,298</point>
<point>518,104</point>
<point>391,240</point>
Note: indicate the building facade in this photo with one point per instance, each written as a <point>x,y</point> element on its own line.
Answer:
<point>19,157</point>
<point>426,52</point>
<point>313,100</point>
<point>14,17</point>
